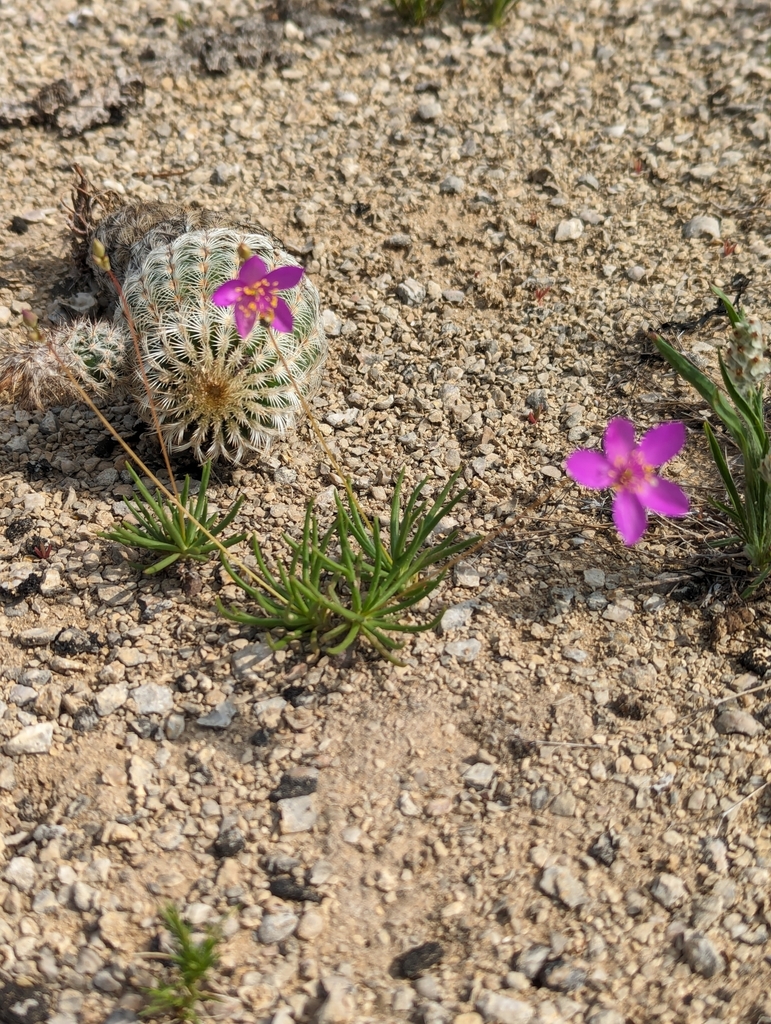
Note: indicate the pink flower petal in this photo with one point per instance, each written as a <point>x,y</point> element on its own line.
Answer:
<point>284,277</point>
<point>629,517</point>
<point>662,443</point>
<point>252,271</point>
<point>227,294</point>
<point>590,469</point>
<point>245,318</point>
<point>664,497</point>
<point>618,441</point>
<point>283,319</point>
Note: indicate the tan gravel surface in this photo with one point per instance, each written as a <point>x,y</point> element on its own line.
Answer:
<point>546,790</point>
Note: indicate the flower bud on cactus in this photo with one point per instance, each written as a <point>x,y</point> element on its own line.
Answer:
<point>99,255</point>
<point>31,322</point>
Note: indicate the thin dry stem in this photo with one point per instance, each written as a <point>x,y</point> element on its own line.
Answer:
<point>173,498</point>
<point>739,803</point>
<point>140,363</point>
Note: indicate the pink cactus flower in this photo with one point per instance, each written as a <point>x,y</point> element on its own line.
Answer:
<point>254,293</point>
<point>629,469</point>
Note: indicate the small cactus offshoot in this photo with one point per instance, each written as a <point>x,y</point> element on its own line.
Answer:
<point>36,372</point>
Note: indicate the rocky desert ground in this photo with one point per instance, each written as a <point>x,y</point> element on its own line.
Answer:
<point>556,810</point>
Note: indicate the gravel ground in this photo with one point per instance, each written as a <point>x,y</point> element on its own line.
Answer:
<point>546,808</point>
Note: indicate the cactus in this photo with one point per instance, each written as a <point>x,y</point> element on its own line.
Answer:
<point>33,373</point>
<point>215,393</point>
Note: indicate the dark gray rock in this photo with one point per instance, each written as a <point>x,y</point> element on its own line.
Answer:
<point>702,956</point>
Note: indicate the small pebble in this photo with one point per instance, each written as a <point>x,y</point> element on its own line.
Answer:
<point>250,662</point>
<point>463,650</point>
<point>21,872</point>
<point>420,958</point>
<point>229,843</point>
<point>457,615</point>
<point>668,890</point>
<point>561,884</point>
<point>503,1009</point>
<point>569,230</point>
<point>220,717</point>
<point>153,699</point>
<point>698,227</point>
<point>111,698</point>
<point>298,814</point>
<point>564,804</point>
<point>738,722</point>
<point>429,110</point>
<point>479,775</point>
<point>411,292</point>
<point>311,925</point>
<point>702,956</point>
<point>32,739</point>
<point>339,1007</point>
<point>452,185</point>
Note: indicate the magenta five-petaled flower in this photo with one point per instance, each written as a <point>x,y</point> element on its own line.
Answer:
<point>629,469</point>
<point>254,293</point>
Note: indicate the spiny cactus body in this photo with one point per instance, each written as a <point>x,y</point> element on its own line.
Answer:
<point>214,392</point>
<point>35,375</point>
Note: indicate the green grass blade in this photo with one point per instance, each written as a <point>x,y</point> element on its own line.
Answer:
<point>706,388</point>
<point>734,316</point>
<point>202,503</point>
<point>733,492</point>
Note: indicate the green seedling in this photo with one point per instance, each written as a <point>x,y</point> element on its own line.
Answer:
<point>417,11</point>
<point>356,579</point>
<point>190,964</point>
<point>162,527</point>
